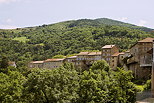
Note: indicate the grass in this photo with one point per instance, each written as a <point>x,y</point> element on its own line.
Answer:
<point>21,39</point>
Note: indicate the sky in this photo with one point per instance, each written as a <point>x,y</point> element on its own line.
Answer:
<point>29,13</point>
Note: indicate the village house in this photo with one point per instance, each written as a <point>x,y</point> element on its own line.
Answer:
<point>141,61</point>
<point>114,61</point>
<point>36,64</point>
<point>108,51</point>
<point>11,63</point>
<point>52,63</point>
<point>71,59</point>
<point>87,58</point>
<point>117,60</point>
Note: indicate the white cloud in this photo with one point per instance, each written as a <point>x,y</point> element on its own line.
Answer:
<point>142,23</point>
<point>122,19</point>
<point>8,1</point>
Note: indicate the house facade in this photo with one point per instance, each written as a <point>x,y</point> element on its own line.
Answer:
<point>86,59</point>
<point>141,61</point>
<point>108,51</point>
<point>52,63</point>
<point>36,64</point>
<point>117,60</point>
<point>46,64</point>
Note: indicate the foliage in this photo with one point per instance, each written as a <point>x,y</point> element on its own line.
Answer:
<point>11,87</point>
<point>119,23</point>
<point>94,85</point>
<point>102,85</point>
<point>4,64</point>
<point>123,90</point>
<point>99,84</point>
<point>147,85</point>
<point>56,86</point>
<point>59,57</point>
<point>21,39</point>
<point>140,88</point>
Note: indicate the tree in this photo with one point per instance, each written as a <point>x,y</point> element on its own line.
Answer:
<point>122,90</point>
<point>102,85</point>
<point>11,87</point>
<point>94,84</point>
<point>58,85</point>
<point>4,62</point>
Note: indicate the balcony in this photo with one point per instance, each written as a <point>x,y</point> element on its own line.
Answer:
<point>145,65</point>
<point>146,61</point>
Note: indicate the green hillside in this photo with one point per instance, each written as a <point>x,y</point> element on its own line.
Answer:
<point>65,38</point>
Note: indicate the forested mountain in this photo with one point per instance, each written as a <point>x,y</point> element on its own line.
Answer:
<point>42,42</point>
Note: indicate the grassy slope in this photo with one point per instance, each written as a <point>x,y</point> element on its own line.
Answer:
<point>21,39</point>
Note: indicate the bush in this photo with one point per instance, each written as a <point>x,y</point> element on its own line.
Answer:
<point>147,85</point>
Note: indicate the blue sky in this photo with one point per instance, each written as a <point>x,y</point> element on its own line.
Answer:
<point>27,13</point>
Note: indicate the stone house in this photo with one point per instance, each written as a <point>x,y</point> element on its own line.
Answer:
<point>108,51</point>
<point>141,61</point>
<point>52,63</point>
<point>36,64</point>
<point>117,60</point>
<point>85,59</point>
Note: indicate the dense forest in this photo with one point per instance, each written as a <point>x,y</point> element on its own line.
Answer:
<point>67,84</point>
<point>38,43</point>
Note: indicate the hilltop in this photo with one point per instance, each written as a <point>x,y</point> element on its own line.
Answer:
<point>119,23</point>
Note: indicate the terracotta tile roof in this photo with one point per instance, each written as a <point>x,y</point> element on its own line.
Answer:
<point>53,60</point>
<point>94,53</point>
<point>115,54</point>
<point>122,53</point>
<point>108,46</point>
<point>37,62</point>
<point>83,53</point>
<point>146,40</point>
<point>71,57</point>
<point>89,53</point>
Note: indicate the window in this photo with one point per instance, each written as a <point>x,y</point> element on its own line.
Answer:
<point>107,59</point>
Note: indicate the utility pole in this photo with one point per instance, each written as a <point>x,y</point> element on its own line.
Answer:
<point>152,76</point>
